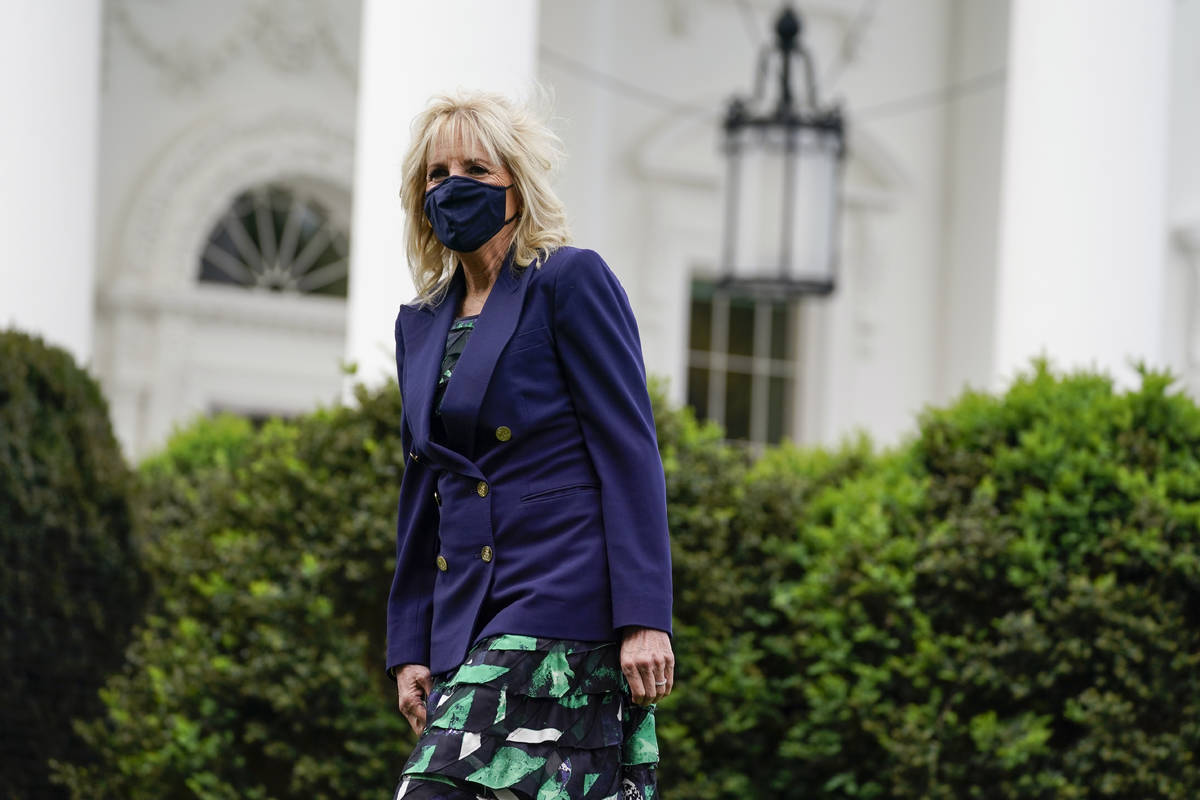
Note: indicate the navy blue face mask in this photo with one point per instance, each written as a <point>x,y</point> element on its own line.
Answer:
<point>465,212</point>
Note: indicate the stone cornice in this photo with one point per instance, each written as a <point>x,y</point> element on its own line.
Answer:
<point>307,314</point>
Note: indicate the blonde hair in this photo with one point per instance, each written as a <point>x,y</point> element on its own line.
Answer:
<point>512,135</point>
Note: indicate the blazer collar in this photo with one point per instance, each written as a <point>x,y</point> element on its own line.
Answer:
<point>425,331</point>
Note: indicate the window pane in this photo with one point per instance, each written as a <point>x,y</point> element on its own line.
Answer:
<point>777,409</point>
<point>741,327</point>
<point>697,391</point>
<point>779,331</point>
<point>700,337</point>
<point>220,262</point>
<point>737,405</point>
<point>278,219</point>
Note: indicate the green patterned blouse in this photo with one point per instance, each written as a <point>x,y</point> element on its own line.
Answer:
<point>456,342</point>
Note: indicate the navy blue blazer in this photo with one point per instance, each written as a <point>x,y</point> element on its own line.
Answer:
<point>547,514</point>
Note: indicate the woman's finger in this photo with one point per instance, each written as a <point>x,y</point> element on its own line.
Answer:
<point>412,706</point>
<point>649,682</point>
<point>417,718</point>
<point>636,688</point>
<point>662,683</point>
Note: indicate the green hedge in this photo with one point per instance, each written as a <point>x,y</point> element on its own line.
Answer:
<point>1005,606</point>
<point>258,673</point>
<point>72,589</point>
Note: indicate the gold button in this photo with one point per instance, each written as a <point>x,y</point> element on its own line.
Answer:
<point>437,497</point>
<point>441,562</point>
<point>504,433</point>
<point>486,554</point>
<point>481,489</point>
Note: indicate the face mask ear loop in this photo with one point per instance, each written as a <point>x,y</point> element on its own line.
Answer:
<point>514,216</point>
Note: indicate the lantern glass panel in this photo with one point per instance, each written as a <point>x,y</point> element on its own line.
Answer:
<point>814,172</point>
<point>781,203</point>
<point>755,227</point>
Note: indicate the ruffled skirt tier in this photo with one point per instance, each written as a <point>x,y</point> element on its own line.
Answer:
<point>534,719</point>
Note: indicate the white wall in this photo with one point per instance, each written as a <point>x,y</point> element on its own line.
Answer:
<point>644,181</point>
<point>1083,218</point>
<point>49,88</point>
<point>1182,312</point>
<point>412,51</point>
<point>978,60</point>
<point>891,308</point>
<point>638,91</point>
<point>200,102</point>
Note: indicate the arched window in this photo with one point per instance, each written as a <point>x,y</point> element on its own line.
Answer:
<point>277,239</point>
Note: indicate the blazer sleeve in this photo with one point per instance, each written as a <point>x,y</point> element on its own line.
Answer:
<point>601,357</point>
<point>410,601</point>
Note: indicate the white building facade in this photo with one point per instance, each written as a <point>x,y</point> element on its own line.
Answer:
<point>1022,178</point>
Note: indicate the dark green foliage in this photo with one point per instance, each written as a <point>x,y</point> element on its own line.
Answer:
<point>1004,607</point>
<point>71,587</point>
<point>260,671</point>
<point>733,525</point>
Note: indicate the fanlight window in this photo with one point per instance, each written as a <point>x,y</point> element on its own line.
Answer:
<point>276,239</point>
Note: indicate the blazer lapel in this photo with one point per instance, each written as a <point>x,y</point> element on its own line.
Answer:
<point>424,330</point>
<point>493,329</point>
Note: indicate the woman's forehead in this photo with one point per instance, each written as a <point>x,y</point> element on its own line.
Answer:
<point>455,140</point>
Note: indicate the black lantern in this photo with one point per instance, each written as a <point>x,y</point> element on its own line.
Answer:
<point>784,177</point>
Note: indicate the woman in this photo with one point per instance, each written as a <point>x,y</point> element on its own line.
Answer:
<point>530,613</point>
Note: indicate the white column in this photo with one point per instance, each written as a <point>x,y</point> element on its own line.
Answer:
<point>50,93</point>
<point>1083,219</point>
<point>409,52</point>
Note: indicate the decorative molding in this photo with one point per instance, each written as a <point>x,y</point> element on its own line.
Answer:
<point>184,191</point>
<point>157,322</point>
<point>292,36</point>
<point>303,315</point>
<point>189,61</point>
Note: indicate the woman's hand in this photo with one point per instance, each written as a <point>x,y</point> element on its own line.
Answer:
<point>648,663</point>
<point>413,685</point>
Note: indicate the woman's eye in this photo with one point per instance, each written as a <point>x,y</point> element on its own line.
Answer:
<point>477,169</point>
<point>436,174</point>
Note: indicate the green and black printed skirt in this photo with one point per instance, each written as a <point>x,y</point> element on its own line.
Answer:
<point>533,719</point>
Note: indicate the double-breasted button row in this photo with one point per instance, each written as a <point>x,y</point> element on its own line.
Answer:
<point>486,554</point>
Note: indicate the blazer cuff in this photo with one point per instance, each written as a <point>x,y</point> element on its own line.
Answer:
<point>645,618</point>
<point>412,651</point>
